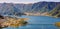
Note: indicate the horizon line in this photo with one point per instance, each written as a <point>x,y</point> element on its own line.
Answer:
<point>27,2</point>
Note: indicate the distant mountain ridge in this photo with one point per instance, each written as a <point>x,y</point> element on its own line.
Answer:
<point>12,9</point>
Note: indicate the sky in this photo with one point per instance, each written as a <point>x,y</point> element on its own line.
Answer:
<point>26,1</point>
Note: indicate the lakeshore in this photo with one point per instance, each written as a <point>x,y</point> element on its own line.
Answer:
<point>33,22</point>
<point>13,21</point>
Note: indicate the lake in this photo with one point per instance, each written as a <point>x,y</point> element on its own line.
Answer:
<point>38,22</point>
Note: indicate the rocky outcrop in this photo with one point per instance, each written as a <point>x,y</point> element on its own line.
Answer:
<point>13,21</point>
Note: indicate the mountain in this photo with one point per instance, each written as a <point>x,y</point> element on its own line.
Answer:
<point>9,9</point>
<point>39,7</point>
<point>56,11</point>
<point>44,6</point>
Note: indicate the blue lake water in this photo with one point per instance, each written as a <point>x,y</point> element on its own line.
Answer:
<point>38,22</point>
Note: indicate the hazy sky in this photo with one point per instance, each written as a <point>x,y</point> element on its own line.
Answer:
<point>25,1</point>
